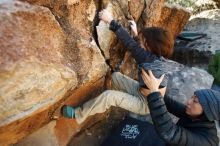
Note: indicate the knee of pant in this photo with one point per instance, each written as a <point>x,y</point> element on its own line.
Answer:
<point>112,97</point>
<point>107,92</point>
<point>115,75</point>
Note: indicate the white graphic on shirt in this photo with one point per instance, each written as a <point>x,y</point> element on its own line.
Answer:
<point>130,131</point>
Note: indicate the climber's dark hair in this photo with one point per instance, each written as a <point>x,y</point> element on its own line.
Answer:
<point>158,40</point>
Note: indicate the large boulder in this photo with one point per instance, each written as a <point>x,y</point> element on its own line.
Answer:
<point>167,16</point>
<point>136,8</point>
<point>106,38</point>
<point>173,18</point>
<point>32,73</point>
<point>42,62</point>
<point>152,13</point>
<point>199,52</point>
<point>183,81</point>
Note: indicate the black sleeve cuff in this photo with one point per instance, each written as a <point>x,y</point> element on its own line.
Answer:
<point>114,25</point>
<point>136,38</point>
<point>153,96</point>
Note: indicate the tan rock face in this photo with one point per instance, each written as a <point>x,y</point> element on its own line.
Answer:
<point>152,12</point>
<point>106,38</point>
<point>173,18</point>
<point>136,8</point>
<point>32,86</point>
<point>42,61</point>
<point>29,31</point>
<point>81,52</point>
<point>122,11</point>
<point>31,72</point>
<point>60,132</point>
<point>167,16</point>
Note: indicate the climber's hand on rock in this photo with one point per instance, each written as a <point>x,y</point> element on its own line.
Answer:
<point>105,16</point>
<point>133,28</point>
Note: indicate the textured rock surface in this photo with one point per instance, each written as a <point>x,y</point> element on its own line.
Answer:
<point>32,76</point>
<point>107,40</point>
<point>152,12</point>
<point>42,62</point>
<point>32,86</point>
<point>199,52</point>
<point>64,129</point>
<point>183,81</point>
<point>207,22</point>
<point>202,5</point>
<point>136,8</point>
<point>160,14</point>
<point>173,18</point>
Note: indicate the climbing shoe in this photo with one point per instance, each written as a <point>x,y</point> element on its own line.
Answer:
<point>68,112</point>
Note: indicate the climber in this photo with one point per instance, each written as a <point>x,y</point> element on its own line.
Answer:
<point>214,70</point>
<point>155,44</point>
<point>196,126</point>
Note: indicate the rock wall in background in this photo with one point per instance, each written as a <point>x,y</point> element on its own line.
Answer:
<point>173,14</point>
<point>203,5</point>
<point>58,52</point>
